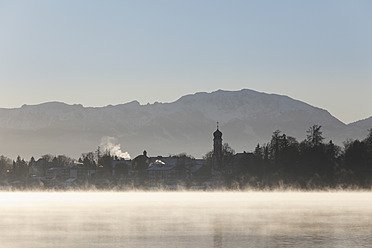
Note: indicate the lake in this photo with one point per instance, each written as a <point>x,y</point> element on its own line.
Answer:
<point>186,219</point>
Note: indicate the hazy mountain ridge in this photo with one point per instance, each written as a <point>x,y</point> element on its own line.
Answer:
<point>246,118</point>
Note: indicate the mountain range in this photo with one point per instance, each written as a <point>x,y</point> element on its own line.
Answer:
<point>245,117</point>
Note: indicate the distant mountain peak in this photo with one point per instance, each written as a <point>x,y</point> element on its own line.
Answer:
<point>246,117</point>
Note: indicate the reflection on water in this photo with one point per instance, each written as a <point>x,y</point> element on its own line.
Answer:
<point>248,219</point>
<point>217,233</point>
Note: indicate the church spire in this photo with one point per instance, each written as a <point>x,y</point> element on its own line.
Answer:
<point>217,151</point>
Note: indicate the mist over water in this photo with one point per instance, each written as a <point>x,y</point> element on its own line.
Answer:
<point>186,219</point>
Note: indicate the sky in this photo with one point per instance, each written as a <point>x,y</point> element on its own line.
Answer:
<point>98,53</point>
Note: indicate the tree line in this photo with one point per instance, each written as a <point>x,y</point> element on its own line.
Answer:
<point>309,164</point>
<point>282,162</point>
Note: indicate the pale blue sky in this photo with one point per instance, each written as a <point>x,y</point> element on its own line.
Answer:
<point>109,52</point>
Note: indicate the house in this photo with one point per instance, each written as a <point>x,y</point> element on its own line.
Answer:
<point>195,166</point>
<point>120,168</point>
<point>78,172</point>
<point>39,168</point>
<point>137,170</point>
<point>59,176</point>
<point>56,176</point>
<point>171,170</point>
<point>197,171</point>
<point>162,170</point>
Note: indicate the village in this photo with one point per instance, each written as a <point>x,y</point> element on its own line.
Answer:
<point>282,163</point>
<point>175,172</point>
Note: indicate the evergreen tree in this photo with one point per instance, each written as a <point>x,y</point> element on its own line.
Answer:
<point>19,169</point>
<point>258,152</point>
<point>5,167</point>
<point>275,146</point>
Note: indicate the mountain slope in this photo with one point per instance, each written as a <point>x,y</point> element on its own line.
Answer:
<point>246,118</point>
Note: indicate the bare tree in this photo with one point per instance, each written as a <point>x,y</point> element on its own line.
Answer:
<point>314,135</point>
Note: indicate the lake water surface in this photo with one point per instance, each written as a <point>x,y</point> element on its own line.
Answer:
<point>203,219</point>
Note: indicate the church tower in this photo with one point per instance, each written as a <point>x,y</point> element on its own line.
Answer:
<point>217,161</point>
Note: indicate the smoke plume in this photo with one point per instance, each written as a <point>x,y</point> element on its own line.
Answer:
<point>111,145</point>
